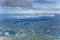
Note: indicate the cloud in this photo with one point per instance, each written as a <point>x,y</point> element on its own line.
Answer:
<point>22,3</point>
<point>47,0</point>
<point>2,2</point>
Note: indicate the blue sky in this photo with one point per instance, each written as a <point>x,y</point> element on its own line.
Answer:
<point>46,4</point>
